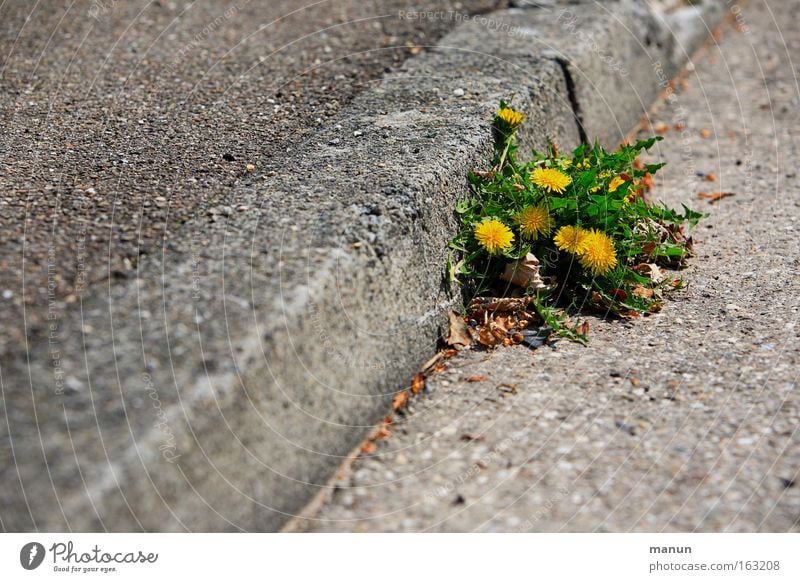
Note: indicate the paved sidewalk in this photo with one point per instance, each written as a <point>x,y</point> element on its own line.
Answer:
<point>683,421</point>
<point>250,202</point>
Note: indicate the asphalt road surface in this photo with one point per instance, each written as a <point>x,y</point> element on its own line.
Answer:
<point>123,120</point>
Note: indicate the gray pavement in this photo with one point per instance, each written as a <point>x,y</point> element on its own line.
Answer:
<point>122,121</point>
<point>213,371</point>
<point>686,420</point>
<point>170,391</point>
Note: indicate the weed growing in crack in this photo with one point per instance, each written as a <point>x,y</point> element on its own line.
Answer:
<point>569,232</point>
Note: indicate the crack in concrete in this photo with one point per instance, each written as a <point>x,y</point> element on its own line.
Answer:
<point>573,98</point>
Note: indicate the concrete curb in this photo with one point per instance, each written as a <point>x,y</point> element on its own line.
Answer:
<point>223,386</point>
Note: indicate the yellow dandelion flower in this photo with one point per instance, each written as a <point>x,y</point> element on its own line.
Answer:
<point>633,194</point>
<point>511,117</point>
<point>615,183</point>
<point>533,221</point>
<point>494,236</point>
<point>597,254</point>
<point>570,239</point>
<point>551,180</point>
<point>604,174</point>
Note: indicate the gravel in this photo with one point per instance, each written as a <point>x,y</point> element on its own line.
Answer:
<point>686,420</point>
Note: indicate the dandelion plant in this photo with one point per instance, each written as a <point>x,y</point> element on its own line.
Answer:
<point>599,242</point>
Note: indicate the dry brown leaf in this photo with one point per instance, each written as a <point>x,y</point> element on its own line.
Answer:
<point>491,334</point>
<point>524,273</point>
<point>459,336</point>
<point>492,304</point>
<point>649,247</point>
<point>651,270</point>
<point>643,292</point>
<point>418,383</point>
<point>619,294</point>
<point>714,196</point>
<point>476,378</point>
<point>400,400</point>
<point>661,127</point>
<point>710,177</point>
<point>432,363</point>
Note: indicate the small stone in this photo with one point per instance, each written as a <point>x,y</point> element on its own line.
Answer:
<point>358,133</point>
<point>8,294</point>
<point>458,92</point>
<point>73,384</point>
<point>249,167</point>
<point>220,210</point>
